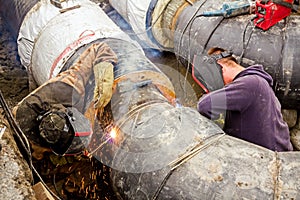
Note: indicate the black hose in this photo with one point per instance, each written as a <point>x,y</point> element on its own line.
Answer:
<point>19,135</point>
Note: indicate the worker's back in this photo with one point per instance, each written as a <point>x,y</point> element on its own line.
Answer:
<point>258,119</point>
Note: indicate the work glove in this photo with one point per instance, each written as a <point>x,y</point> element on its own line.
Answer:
<point>104,79</point>
<point>220,121</point>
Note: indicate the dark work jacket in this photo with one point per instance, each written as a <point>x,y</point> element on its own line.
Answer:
<point>252,110</point>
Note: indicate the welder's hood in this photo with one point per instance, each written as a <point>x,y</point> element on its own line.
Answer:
<point>66,131</point>
<point>207,73</point>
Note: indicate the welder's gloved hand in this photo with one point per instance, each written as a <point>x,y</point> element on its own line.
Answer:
<point>220,121</point>
<point>104,79</point>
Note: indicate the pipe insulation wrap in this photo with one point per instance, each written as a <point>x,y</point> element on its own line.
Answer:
<point>160,16</point>
<point>46,41</point>
<point>134,12</point>
<point>221,167</point>
<point>34,22</point>
<point>151,20</point>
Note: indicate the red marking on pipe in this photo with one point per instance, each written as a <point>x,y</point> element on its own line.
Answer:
<point>69,48</point>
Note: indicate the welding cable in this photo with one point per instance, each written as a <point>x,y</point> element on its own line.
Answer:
<point>56,189</point>
<point>243,42</point>
<point>190,22</point>
<point>18,132</point>
<point>45,185</point>
<point>208,39</point>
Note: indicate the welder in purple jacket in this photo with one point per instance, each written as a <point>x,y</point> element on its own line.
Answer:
<point>247,101</point>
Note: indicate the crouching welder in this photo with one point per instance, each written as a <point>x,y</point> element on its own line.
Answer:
<point>247,102</point>
<point>59,115</point>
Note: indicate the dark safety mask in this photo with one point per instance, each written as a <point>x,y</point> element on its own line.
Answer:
<point>207,72</point>
<point>67,133</point>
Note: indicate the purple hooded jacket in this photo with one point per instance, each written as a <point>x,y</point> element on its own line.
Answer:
<point>252,110</point>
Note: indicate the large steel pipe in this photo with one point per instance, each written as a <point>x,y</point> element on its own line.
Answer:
<point>179,27</point>
<point>164,152</point>
<point>276,49</point>
<point>161,151</point>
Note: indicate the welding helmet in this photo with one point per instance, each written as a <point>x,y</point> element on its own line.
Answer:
<point>207,72</point>
<point>66,131</point>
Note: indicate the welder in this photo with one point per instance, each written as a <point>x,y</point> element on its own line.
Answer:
<point>58,114</point>
<point>247,103</point>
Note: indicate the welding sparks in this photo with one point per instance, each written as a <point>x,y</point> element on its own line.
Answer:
<point>113,133</point>
<point>99,147</point>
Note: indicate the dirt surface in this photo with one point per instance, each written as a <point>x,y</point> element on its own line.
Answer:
<point>13,77</point>
<point>15,175</point>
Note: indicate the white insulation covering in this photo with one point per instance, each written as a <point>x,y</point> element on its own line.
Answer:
<point>48,37</point>
<point>157,30</point>
<point>33,23</point>
<point>135,13</point>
